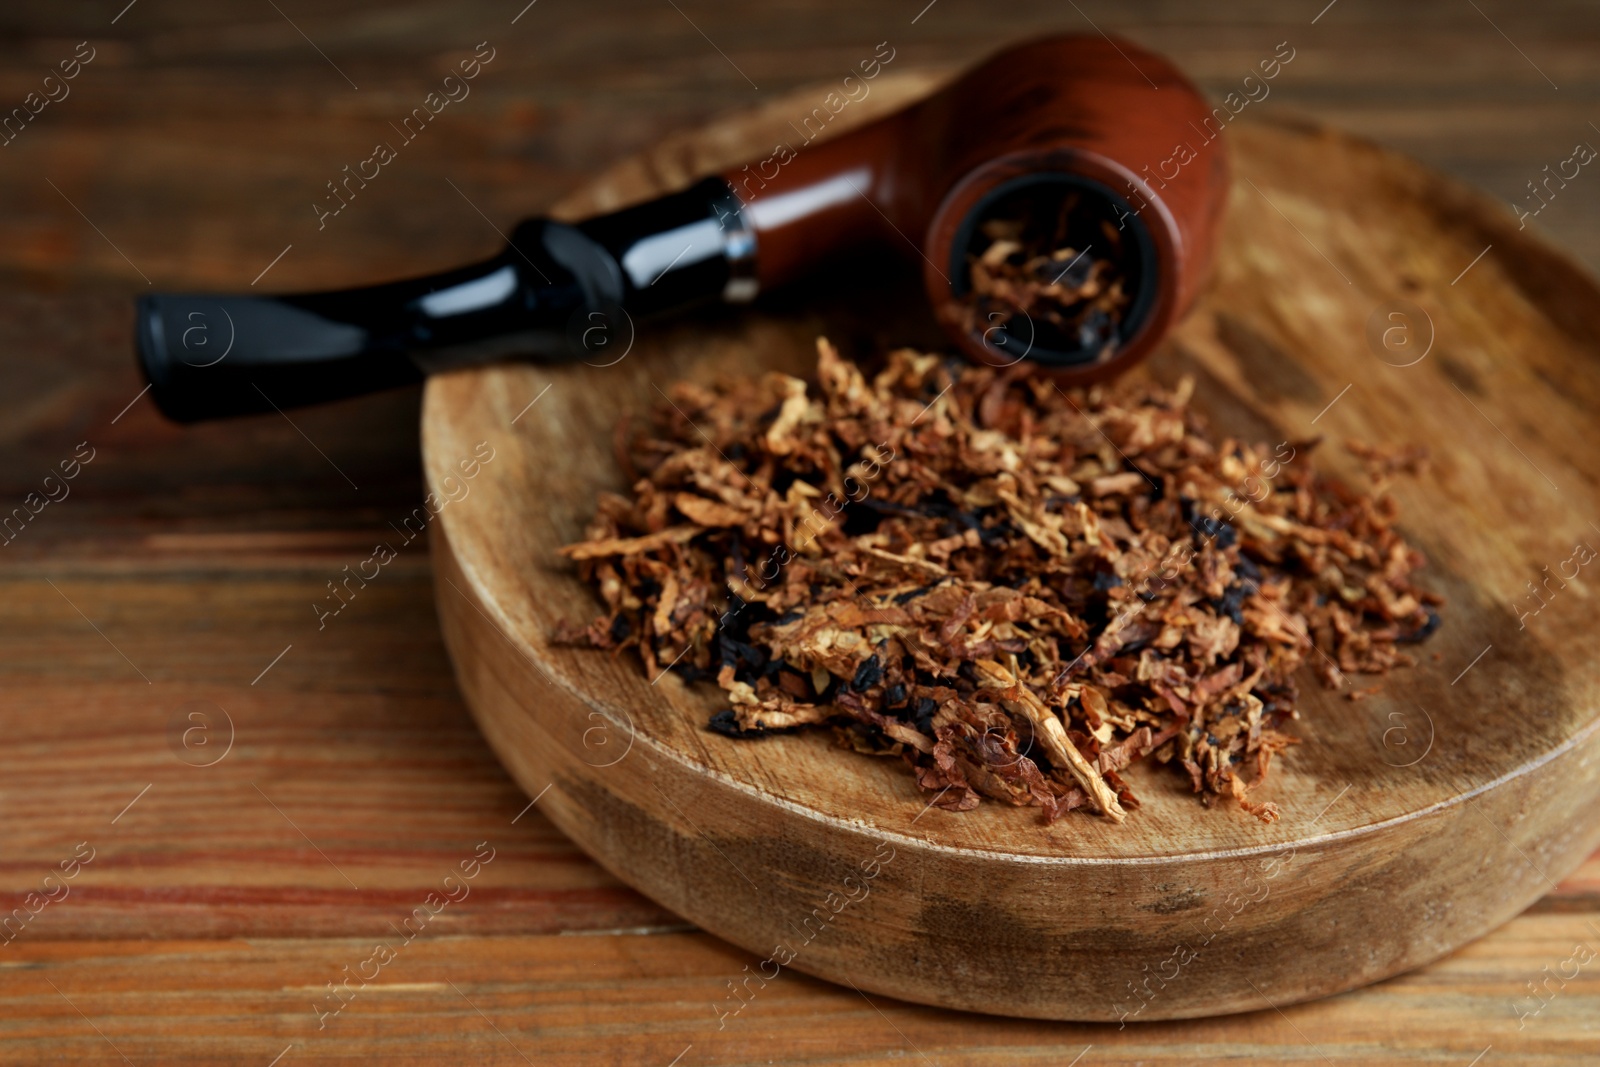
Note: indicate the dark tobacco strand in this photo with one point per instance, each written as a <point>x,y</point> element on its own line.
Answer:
<point>1018,592</point>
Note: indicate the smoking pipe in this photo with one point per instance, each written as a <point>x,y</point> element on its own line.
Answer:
<point>1116,126</point>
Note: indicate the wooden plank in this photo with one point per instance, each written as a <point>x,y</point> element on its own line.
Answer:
<point>648,999</point>
<point>380,767</point>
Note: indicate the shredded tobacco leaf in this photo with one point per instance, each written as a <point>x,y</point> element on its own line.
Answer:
<point>1063,272</point>
<point>1016,590</point>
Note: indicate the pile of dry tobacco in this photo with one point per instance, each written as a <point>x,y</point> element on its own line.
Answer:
<point>1016,589</point>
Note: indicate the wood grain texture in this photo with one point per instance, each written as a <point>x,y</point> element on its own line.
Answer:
<point>1387,861</point>
<point>645,999</point>
<point>196,142</point>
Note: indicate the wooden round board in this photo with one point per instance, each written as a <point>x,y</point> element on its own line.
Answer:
<point>1350,299</point>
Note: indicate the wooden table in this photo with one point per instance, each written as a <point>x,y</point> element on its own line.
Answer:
<point>164,606</point>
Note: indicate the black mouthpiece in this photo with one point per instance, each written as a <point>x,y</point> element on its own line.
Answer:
<point>557,293</point>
